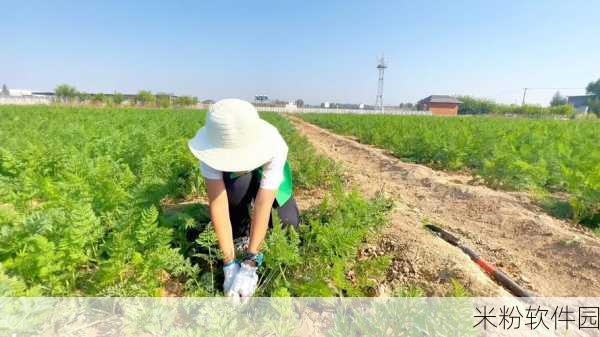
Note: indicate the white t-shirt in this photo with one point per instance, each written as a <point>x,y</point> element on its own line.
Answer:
<point>272,169</point>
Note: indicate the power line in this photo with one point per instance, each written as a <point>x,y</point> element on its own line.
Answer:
<point>526,89</point>
<point>554,88</point>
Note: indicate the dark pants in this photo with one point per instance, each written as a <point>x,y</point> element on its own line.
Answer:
<point>240,193</point>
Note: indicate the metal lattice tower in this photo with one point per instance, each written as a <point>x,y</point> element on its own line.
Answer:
<point>381,69</point>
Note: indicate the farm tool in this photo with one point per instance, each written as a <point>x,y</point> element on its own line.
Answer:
<point>489,268</point>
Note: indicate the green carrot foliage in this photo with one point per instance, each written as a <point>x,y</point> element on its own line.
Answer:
<point>91,204</point>
<point>550,157</point>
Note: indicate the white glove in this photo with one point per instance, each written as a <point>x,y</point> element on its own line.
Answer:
<point>245,281</point>
<point>230,271</point>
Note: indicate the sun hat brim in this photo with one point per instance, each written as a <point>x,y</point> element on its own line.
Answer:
<point>246,158</point>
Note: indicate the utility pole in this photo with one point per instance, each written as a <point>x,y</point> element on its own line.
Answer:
<point>525,90</point>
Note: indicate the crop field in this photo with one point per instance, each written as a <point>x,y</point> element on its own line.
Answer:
<point>558,160</point>
<point>109,202</point>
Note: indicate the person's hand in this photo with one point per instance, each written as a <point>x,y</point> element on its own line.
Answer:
<point>230,271</point>
<point>245,281</point>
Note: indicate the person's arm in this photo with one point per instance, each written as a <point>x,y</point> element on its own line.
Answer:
<point>260,219</point>
<point>265,197</point>
<point>219,214</point>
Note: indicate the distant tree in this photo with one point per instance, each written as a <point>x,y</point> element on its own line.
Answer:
<point>145,97</point>
<point>208,101</point>
<point>558,99</point>
<point>279,103</point>
<point>186,101</point>
<point>98,98</point>
<point>83,96</point>
<point>182,101</point>
<point>566,110</point>
<point>406,106</point>
<point>476,106</point>
<point>300,102</point>
<point>163,100</point>
<point>118,98</point>
<point>593,88</point>
<point>594,106</point>
<point>108,100</point>
<point>65,92</point>
<point>5,91</point>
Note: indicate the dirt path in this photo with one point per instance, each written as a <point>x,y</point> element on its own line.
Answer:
<point>547,255</point>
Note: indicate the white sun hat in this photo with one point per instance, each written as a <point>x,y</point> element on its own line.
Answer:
<point>234,138</point>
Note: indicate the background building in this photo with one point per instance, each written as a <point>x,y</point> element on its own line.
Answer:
<point>24,97</point>
<point>581,103</point>
<point>440,105</point>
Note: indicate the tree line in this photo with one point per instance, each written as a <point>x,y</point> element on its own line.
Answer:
<point>69,94</point>
<point>593,88</point>
<point>558,105</point>
<point>478,106</point>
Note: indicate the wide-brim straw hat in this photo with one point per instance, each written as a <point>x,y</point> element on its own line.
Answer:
<point>234,138</point>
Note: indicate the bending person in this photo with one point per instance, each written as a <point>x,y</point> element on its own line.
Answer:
<point>244,164</point>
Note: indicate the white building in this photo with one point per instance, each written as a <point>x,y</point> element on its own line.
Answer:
<point>24,97</point>
<point>19,92</point>
<point>291,106</point>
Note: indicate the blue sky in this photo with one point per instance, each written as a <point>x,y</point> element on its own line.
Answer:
<point>315,50</point>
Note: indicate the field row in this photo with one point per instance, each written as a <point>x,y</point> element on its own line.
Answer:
<point>558,160</point>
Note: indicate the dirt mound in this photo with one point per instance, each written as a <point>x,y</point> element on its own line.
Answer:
<point>549,256</point>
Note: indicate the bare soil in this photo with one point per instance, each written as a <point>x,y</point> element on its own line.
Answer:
<point>549,256</point>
